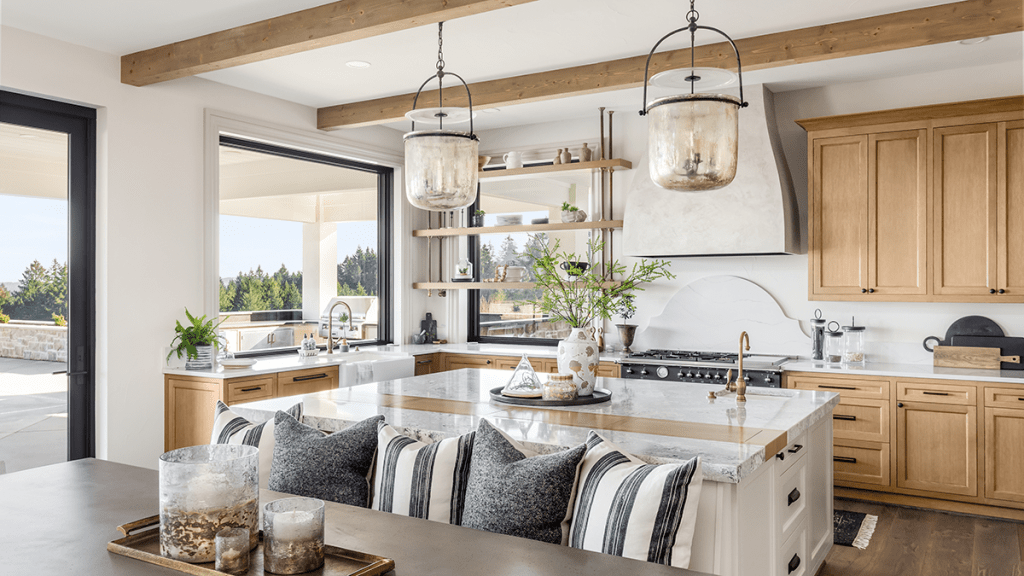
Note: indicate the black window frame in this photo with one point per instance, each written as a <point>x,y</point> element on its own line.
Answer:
<point>385,194</point>
<point>79,123</point>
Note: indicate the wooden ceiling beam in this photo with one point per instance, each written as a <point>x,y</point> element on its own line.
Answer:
<point>896,31</point>
<point>326,25</point>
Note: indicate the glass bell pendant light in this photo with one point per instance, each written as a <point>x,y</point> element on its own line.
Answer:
<point>441,165</point>
<point>693,138</point>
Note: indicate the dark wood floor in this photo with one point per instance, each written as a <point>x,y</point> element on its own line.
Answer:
<point>909,542</point>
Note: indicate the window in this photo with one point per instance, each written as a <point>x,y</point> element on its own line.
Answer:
<point>506,313</point>
<point>300,232</point>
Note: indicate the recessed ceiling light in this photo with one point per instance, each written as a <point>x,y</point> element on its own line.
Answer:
<point>970,41</point>
<point>491,110</point>
<point>357,64</point>
<point>27,135</point>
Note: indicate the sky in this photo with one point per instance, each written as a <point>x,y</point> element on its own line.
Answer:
<point>31,229</point>
<point>246,243</point>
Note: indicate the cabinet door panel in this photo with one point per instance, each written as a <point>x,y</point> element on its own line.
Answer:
<point>839,249</point>
<point>1004,459</point>
<point>1011,213</point>
<point>460,361</point>
<point>965,209</point>
<point>897,212</point>
<point>189,409</point>
<point>937,448</point>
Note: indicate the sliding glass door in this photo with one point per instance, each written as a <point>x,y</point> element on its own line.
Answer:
<point>47,281</point>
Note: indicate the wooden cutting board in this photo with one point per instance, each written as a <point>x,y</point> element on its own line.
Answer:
<point>971,357</point>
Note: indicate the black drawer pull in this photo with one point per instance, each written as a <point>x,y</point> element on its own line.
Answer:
<point>424,361</point>
<point>836,387</point>
<point>793,496</point>
<point>844,417</point>
<point>253,389</point>
<point>796,448</point>
<point>794,563</point>
<point>935,393</point>
<point>1022,399</point>
<point>310,377</point>
<point>844,459</point>
<point>781,455</point>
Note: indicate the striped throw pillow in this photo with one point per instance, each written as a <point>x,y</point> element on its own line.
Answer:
<point>636,510</point>
<point>421,480</point>
<point>230,428</point>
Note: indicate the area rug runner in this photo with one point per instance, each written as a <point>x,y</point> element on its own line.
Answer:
<point>853,528</point>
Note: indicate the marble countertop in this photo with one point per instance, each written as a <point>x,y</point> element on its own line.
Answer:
<point>909,371</point>
<point>658,423</point>
<point>292,361</point>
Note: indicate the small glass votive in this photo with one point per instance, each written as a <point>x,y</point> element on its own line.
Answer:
<point>559,387</point>
<point>293,535</point>
<point>233,551</point>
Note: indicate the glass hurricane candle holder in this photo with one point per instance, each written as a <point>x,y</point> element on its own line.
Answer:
<point>293,535</point>
<point>233,546</point>
<point>204,489</point>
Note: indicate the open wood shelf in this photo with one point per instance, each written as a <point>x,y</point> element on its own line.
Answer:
<point>482,285</point>
<point>511,173</point>
<point>602,225</point>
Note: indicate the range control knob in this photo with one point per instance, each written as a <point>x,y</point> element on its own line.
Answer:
<point>718,377</point>
<point>688,374</point>
<point>662,372</point>
<point>682,375</point>
<point>768,378</point>
<point>643,372</point>
<point>629,370</point>
<point>746,378</point>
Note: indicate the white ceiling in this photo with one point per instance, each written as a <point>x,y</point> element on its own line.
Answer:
<point>542,35</point>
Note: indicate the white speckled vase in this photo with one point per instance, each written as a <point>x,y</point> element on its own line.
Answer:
<point>577,355</point>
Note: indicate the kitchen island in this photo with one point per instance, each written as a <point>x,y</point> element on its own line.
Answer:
<point>767,502</point>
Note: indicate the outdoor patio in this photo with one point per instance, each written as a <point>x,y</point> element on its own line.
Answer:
<point>33,414</point>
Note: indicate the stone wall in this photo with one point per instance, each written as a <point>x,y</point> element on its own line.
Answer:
<point>34,342</point>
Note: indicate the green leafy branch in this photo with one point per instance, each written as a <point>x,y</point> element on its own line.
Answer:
<point>589,294</point>
<point>201,332</point>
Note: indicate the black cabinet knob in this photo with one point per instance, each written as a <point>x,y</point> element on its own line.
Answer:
<point>1001,291</point>
<point>992,291</point>
<point>899,405</point>
<point>871,290</point>
<point>863,290</point>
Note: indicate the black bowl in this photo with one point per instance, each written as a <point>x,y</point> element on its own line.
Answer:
<point>575,268</point>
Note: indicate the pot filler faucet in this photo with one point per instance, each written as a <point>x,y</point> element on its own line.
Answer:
<point>344,341</point>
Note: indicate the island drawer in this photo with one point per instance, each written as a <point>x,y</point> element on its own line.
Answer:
<point>846,388</point>
<point>863,462</point>
<point>861,419</point>
<point>793,559</point>
<point>1004,398</point>
<point>791,455</point>
<point>307,381</point>
<point>249,389</point>
<point>925,391</point>
<point>791,499</point>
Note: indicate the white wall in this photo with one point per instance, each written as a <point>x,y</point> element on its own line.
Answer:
<point>150,231</point>
<point>895,330</point>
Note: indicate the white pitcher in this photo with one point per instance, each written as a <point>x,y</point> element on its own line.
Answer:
<point>513,160</point>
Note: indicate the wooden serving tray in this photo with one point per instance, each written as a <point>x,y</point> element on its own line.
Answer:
<point>145,545</point>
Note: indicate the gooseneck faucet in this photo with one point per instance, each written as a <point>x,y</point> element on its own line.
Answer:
<point>330,326</point>
<point>741,382</point>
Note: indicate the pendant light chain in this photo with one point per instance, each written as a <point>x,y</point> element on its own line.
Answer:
<point>440,49</point>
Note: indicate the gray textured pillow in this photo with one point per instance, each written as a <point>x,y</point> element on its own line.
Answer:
<point>511,492</point>
<point>332,467</point>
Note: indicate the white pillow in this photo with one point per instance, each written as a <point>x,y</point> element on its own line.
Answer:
<point>230,428</point>
<point>421,480</point>
<point>636,510</point>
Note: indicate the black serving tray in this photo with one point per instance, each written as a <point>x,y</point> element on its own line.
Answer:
<point>600,395</point>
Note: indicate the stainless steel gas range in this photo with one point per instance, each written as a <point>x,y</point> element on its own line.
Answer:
<point>703,367</point>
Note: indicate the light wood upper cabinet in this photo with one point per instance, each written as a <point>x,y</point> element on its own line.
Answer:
<point>1011,209</point>
<point>966,205</point>
<point>898,212</point>
<point>920,205</point>
<point>840,207</point>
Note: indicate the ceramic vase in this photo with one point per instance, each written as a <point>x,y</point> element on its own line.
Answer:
<point>558,157</point>
<point>566,156</point>
<point>586,154</point>
<point>577,355</point>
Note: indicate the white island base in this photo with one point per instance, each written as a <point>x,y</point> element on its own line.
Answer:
<point>766,502</point>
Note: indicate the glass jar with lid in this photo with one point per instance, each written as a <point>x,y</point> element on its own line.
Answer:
<point>834,347</point>
<point>853,345</point>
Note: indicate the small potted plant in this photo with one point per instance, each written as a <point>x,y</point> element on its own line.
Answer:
<point>626,308</point>
<point>571,213</point>
<point>478,219</point>
<point>589,296</point>
<point>197,340</point>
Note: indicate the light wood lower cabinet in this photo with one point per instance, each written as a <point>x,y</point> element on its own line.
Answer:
<point>541,365</point>
<point>954,445</point>
<point>190,401</point>
<point>428,364</point>
<point>460,361</point>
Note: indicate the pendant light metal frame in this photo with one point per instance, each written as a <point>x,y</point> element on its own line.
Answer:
<point>439,76</point>
<point>692,16</point>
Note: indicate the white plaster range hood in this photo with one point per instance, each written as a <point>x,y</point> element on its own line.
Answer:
<point>754,215</point>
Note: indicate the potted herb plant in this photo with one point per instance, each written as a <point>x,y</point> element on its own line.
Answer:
<point>583,298</point>
<point>626,308</point>
<point>478,219</point>
<point>197,340</point>
<point>571,213</point>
